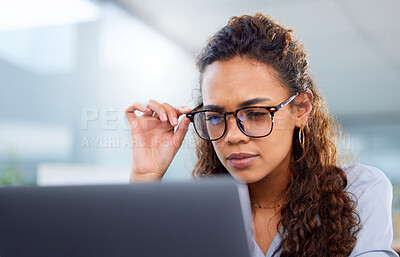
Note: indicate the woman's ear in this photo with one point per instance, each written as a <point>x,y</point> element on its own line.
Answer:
<point>302,108</point>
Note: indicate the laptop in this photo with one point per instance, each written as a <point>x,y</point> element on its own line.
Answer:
<point>197,218</point>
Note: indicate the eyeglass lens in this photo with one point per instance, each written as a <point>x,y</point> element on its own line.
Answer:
<point>256,122</point>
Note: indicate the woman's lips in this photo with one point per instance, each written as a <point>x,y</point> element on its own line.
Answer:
<point>242,162</point>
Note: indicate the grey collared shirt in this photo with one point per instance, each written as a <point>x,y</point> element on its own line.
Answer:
<point>374,193</point>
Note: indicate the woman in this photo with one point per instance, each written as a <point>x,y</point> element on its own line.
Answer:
<point>261,119</point>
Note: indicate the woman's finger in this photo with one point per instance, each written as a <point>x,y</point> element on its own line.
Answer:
<point>183,110</point>
<point>181,131</point>
<point>172,114</point>
<point>148,113</point>
<point>159,109</point>
<point>130,110</point>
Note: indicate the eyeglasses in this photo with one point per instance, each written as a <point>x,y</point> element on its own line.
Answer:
<point>253,121</point>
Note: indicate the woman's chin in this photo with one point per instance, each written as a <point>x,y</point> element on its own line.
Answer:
<point>245,177</point>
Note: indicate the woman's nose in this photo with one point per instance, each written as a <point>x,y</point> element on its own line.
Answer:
<point>233,134</point>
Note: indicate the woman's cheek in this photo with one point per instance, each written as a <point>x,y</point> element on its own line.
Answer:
<point>217,149</point>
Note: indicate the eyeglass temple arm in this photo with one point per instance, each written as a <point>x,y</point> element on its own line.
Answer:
<point>190,114</point>
<point>286,102</point>
<point>198,107</point>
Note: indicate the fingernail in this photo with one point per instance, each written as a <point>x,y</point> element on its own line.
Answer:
<point>164,117</point>
<point>184,108</point>
<point>174,121</point>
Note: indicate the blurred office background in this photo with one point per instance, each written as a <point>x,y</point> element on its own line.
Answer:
<point>69,67</point>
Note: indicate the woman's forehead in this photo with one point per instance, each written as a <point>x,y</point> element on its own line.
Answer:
<point>238,68</point>
<point>238,80</point>
<point>239,74</point>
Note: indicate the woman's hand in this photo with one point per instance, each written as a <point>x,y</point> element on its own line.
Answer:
<point>154,143</point>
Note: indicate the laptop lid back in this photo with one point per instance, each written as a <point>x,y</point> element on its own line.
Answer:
<point>194,218</point>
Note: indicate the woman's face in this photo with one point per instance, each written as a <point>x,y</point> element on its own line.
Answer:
<point>227,84</point>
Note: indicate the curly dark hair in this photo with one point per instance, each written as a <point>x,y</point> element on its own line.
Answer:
<point>319,216</point>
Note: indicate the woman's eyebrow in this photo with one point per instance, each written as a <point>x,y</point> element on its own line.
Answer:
<point>253,101</point>
<point>242,104</point>
<point>213,107</point>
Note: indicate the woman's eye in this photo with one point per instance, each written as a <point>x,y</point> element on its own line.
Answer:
<point>256,114</point>
<point>215,119</point>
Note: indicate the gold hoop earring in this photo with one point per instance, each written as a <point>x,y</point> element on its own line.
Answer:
<point>301,137</point>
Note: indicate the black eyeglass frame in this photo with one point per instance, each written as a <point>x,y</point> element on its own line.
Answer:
<point>271,109</point>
